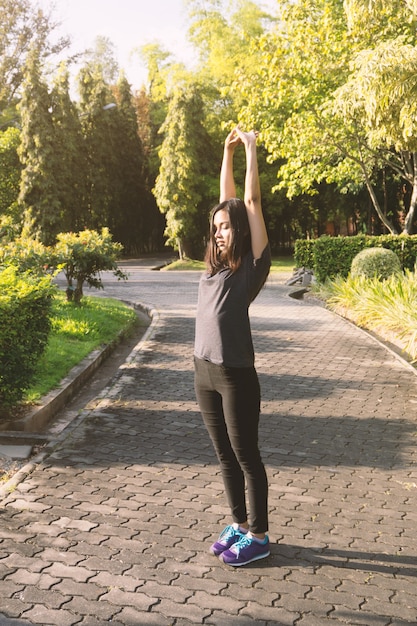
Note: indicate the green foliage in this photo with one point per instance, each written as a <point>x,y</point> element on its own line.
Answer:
<point>133,214</point>
<point>25,304</point>
<point>388,306</point>
<point>82,256</point>
<point>185,165</point>
<point>23,25</point>
<point>70,158</point>
<point>9,169</point>
<point>96,124</point>
<point>375,262</point>
<point>220,33</point>
<point>38,187</point>
<point>333,256</point>
<point>333,96</point>
<point>303,253</point>
<point>25,254</point>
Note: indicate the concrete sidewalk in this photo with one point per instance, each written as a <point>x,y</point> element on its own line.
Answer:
<point>113,526</point>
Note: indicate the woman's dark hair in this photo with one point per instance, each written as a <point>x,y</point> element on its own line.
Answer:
<point>240,239</point>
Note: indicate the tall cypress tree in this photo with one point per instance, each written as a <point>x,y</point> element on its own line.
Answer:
<point>38,189</point>
<point>131,221</point>
<point>96,122</point>
<point>182,183</point>
<point>69,162</point>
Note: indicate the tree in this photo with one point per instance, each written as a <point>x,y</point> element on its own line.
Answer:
<point>103,56</point>
<point>291,99</point>
<point>96,121</point>
<point>185,164</point>
<point>381,90</point>
<point>223,37</point>
<point>38,189</point>
<point>130,221</point>
<point>69,163</point>
<point>9,170</point>
<point>82,256</point>
<point>23,26</point>
<point>380,98</point>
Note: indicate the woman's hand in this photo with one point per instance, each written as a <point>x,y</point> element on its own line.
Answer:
<point>232,140</point>
<point>246,138</point>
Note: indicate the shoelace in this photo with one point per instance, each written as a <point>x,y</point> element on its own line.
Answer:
<point>228,532</point>
<point>244,542</point>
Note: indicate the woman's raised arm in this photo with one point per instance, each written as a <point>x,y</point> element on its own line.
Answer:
<point>227,181</point>
<point>252,197</point>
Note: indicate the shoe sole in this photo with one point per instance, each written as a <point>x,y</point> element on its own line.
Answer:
<point>255,558</point>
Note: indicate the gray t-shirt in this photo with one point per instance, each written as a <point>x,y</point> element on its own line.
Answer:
<point>223,335</point>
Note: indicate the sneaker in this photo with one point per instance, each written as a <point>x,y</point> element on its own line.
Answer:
<point>246,550</point>
<point>227,538</point>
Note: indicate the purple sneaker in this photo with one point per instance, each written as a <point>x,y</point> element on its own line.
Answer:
<point>246,550</point>
<point>227,538</point>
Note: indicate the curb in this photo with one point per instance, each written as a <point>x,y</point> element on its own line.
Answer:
<point>40,416</point>
<point>58,399</point>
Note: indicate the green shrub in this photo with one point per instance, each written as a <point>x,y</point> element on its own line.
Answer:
<point>329,257</point>
<point>333,256</point>
<point>26,254</point>
<point>82,256</point>
<point>375,263</point>
<point>25,304</point>
<point>303,253</point>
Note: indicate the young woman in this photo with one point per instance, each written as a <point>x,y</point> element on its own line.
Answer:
<point>238,260</point>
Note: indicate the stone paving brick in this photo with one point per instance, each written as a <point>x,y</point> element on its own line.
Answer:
<point>191,612</point>
<point>391,609</point>
<point>270,614</point>
<point>129,616</point>
<point>363,618</point>
<point>59,570</point>
<point>92,620</point>
<point>51,598</point>
<point>50,617</point>
<point>13,607</point>
<point>139,600</point>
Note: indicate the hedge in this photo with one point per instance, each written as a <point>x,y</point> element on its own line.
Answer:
<point>331,256</point>
<point>25,306</point>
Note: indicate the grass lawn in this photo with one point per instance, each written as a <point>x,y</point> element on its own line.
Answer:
<point>283,264</point>
<point>279,264</point>
<point>77,331</point>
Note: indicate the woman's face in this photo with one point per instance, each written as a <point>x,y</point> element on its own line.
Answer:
<point>222,230</point>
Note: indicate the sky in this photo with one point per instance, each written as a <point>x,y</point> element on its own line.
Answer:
<point>129,24</point>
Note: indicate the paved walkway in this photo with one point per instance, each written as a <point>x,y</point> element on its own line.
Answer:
<point>113,526</point>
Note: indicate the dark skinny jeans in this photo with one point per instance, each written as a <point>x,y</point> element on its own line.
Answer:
<point>229,400</point>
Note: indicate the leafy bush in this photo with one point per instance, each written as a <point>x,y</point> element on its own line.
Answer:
<point>303,253</point>
<point>25,304</point>
<point>82,256</point>
<point>375,262</point>
<point>334,255</point>
<point>25,254</point>
<point>329,256</point>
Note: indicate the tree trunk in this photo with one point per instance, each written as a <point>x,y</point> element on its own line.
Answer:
<point>409,218</point>
<point>180,250</point>
<point>377,208</point>
<point>185,248</point>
